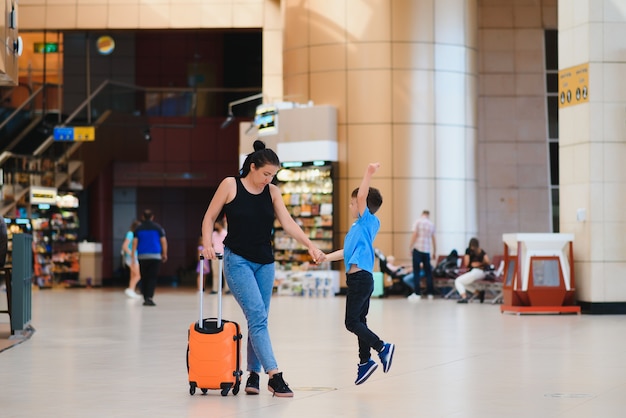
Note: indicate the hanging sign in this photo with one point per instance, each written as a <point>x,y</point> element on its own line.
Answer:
<point>74,133</point>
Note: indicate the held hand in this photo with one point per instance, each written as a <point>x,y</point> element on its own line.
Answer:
<point>317,255</point>
<point>208,252</point>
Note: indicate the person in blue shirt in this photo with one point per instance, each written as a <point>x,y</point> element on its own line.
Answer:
<point>150,248</point>
<point>358,256</point>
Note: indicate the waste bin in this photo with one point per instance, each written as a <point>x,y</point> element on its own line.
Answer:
<point>90,264</point>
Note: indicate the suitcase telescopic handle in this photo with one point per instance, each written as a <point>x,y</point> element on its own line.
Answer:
<point>220,258</point>
<point>201,292</point>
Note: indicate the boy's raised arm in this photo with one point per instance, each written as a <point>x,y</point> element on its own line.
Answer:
<point>364,187</point>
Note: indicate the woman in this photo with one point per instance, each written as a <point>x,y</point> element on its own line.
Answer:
<point>133,265</point>
<point>476,259</point>
<point>250,203</point>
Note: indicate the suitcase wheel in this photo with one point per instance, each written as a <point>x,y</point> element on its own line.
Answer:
<point>204,391</point>
<point>192,388</point>
<point>225,388</point>
<point>236,389</point>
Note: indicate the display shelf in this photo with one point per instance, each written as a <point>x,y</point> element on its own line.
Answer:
<point>42,251</point>
<point>308,193</point>
<point>56,243</point>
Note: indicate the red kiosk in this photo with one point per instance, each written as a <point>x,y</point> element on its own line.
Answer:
<point>539,274</point>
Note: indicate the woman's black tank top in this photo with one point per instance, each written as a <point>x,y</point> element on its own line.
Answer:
<point>250,220</point>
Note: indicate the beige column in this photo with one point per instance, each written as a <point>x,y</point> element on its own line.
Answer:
<point>592,150</point>
<point>402,74</point>
<point>272,51</point>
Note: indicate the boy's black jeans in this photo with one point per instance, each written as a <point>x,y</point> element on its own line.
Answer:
<point>360,288</point>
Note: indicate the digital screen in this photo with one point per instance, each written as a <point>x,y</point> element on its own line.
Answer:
<point>266,120</point>
<point>546,273</point>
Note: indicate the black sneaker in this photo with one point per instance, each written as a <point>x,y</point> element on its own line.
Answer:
<point>149,302</point>
<point>279,387</point>
<point>462,300</point>
<point>252,385</point>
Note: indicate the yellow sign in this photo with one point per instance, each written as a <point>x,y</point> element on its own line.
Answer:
<point>574,85</point>
<point>43,195</point>
<point>84,133</point>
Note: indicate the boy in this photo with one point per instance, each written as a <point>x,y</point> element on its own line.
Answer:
<point>358,255</point>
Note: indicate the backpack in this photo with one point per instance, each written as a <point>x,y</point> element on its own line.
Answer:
<point>447,267</point>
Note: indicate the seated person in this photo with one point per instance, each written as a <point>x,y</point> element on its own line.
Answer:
<point>477,260</point>
<point>399,272</point>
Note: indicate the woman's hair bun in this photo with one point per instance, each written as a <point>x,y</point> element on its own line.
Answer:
<point>259,145</point>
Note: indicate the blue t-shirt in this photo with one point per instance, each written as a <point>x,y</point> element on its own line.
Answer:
<point>358,246</point>
<point>148,236</point>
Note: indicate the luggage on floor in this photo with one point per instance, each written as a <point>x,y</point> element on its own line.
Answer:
<point>214,350</point>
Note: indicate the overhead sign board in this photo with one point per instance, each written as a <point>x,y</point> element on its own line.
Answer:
<point>46,47</point>
<point>74,133</point>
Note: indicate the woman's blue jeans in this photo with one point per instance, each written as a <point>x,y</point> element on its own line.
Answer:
<point>251,284</point>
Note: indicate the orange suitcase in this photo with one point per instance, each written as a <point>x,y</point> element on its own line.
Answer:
<point>214,350</point>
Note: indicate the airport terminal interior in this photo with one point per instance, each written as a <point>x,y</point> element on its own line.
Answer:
<point>504,118</point>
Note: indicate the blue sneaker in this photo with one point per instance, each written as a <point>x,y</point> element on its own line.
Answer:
<point>365,371</point>
<point>386,356</point>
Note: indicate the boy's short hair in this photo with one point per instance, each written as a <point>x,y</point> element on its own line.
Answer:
<point>374,199</point>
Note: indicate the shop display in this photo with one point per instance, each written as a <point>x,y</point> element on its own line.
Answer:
<point>55,242</point>
<point>42,252</point>
<point>308,192</point>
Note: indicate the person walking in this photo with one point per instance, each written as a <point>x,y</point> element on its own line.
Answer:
<point>251,202</point>
<point>358,256</point>
<point>131,262</point>
<point>150,249</point>
<point>423,246</point>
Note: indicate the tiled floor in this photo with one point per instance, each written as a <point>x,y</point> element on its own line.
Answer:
<point>97,354</point>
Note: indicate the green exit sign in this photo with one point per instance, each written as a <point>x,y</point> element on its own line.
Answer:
<point>46,47</point>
